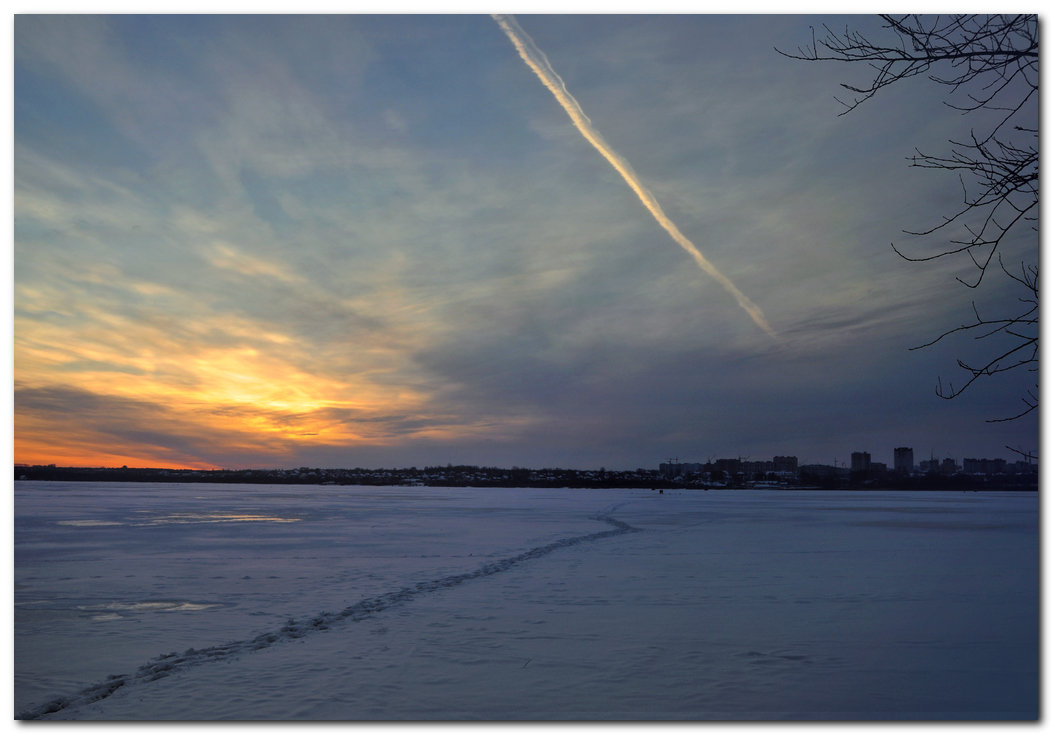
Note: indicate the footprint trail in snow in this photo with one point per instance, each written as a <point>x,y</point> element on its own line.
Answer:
<point>165,665</point>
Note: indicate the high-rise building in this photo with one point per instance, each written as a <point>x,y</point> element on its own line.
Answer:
<point>904,460</point>
<point>985,466</point>
<point>860,461</point>
<point>731,466</point>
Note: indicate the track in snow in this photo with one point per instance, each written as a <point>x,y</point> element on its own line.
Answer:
<point>165,665</point>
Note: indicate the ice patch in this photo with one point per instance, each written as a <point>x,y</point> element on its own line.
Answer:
<point>180,518</point>
<point>89,523</point>
<point>184,518</point>
<point>150,606</point>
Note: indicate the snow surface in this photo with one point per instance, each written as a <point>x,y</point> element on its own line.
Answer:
<point>248,602</point>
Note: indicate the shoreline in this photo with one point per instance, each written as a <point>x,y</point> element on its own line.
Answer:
<point>474,476</point>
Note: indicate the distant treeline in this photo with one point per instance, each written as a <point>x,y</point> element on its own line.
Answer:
<point>482,476</point>
<point>444,476</point>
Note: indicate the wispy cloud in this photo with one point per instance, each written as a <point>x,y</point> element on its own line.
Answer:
<point>225,255</point>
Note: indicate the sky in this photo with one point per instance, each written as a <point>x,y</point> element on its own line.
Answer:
<point>385,240</point>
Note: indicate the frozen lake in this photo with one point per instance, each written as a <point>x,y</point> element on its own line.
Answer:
<point>212,601</point>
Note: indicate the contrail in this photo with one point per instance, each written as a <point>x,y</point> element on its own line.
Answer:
<point>537,61</point>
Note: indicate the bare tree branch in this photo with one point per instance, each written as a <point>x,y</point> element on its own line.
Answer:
<point>986,63</point>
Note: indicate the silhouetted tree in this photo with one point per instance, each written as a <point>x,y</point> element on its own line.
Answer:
<point>986,63</point>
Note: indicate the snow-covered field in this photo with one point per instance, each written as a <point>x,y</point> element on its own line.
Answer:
<point>199,601</point>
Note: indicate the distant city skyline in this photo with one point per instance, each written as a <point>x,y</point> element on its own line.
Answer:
<point>908,458</point>
<point>383,240</point>
<point>785,461</point>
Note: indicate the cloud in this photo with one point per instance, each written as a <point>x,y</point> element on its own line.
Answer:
<point>227,256</point>
<point>67,422</point>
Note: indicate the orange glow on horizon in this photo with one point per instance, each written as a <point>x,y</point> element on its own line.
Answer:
<point>236,400</point>
<point>35,454</point>
<point>97,384</point>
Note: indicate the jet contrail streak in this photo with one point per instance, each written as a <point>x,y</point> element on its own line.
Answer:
<point>536,60</point>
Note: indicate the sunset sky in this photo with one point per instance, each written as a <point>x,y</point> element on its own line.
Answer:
<point>341,241</point>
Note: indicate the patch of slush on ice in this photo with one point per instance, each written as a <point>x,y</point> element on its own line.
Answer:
<point>184,518</point>
<point>150,606</point>
<point>89,523</point>
<point>215,517</point>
